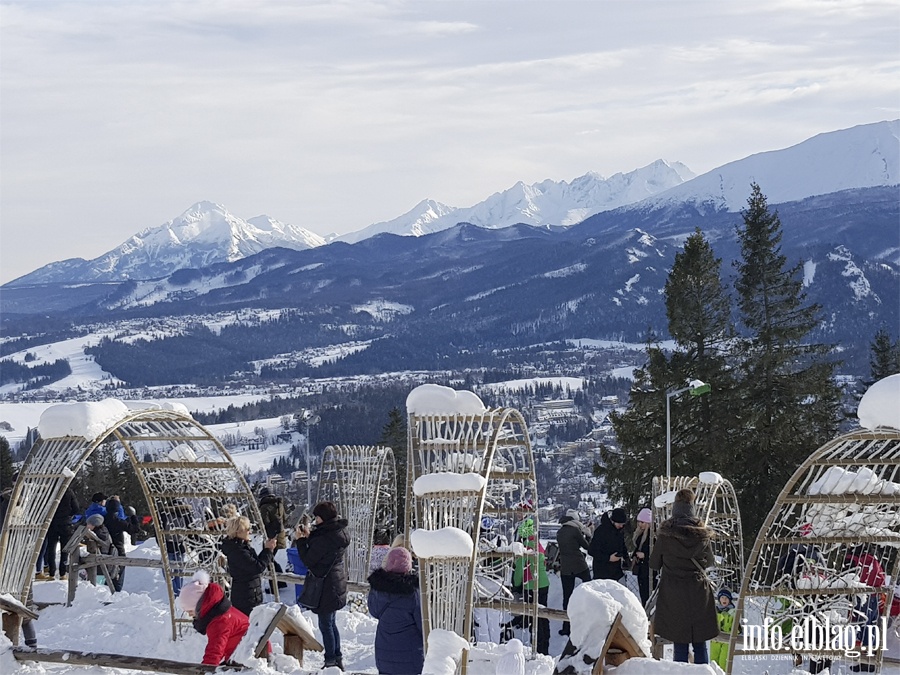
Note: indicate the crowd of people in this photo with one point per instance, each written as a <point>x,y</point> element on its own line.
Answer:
<point>687,609</point>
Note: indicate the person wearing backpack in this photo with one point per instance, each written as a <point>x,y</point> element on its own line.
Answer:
<point>572,540</point>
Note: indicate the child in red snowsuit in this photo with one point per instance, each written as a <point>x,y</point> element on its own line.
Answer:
<point>214,617</point>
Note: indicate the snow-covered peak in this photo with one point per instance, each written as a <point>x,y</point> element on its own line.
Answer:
<point>541,204</point>
<point>204,234</point>
<point>863,156</point>
<point>419,220</point>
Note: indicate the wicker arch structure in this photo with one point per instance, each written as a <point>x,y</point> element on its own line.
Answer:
<point>362,481</point>
<point>843,498</point>
<point>495,445</point>
<point>716,504</point>
<point>186,475</point>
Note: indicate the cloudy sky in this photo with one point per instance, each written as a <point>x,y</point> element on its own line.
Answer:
<point>116,116</point>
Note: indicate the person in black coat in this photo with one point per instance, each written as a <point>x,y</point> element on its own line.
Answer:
<point>641,566</point>
<point>322,551</point>
<point>608,547</point>
<point>59,533</point>
<point>245,565</point>
<point>571,538</point>
<point>394,600</point>
<point>118,523</point>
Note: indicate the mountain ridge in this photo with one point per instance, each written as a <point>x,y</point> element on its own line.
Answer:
<point>207,233</point>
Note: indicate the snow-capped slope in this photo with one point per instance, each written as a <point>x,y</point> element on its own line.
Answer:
<point>205,234</point>
<point>867,155</point>
<point>424,218</point>
<point>546,203</point>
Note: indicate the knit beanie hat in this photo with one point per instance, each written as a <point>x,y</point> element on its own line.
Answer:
<point>98,497</point>
<point>727,594</point>
<point>618,516</point>
<point>526,529</point>
<point>572,513</point>
<point>397,560</point>
<point>683,507</point>
<point>326,511</point>
<point>192,592</point>
<point>95,519</point>
<point>645,516</point>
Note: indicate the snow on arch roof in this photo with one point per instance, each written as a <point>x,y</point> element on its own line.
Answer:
<point>880,405</point>
<point>85,419</point>
<point>434,398</point>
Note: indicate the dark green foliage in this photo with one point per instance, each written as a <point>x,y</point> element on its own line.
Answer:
<point>699,320</point>
<point>789,401</point>
<point>884,356</point>
<point>34,376</point>
<point>394,436</point>
<point>6,464</point>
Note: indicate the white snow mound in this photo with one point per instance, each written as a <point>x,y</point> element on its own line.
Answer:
<point>447,481</point>
<point>430,399</point>
<point>880,405</point>
<point>86,419</point>
<point>447,542</point>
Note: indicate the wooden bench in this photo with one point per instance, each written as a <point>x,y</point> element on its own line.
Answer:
<point>619,646</point>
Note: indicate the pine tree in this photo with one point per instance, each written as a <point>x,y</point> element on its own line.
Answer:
<point>789,398</point>
<point>884,357</point>
<point>6,464</point>
<point>699,311</point>
<point>394,436</point>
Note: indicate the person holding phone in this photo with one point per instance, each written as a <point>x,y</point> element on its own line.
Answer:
<point>245,565</point>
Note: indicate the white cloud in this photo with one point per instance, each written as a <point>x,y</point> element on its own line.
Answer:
<point>117,116</point>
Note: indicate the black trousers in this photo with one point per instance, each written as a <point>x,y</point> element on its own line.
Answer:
<point>57,535</point>
<point>543,627</point>
<point>568,586</point>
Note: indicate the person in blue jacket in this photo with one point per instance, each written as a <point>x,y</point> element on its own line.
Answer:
<point>394,600</point>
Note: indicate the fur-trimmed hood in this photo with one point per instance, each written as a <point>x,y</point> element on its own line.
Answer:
<point>391,582</point>
<point>691,534</point>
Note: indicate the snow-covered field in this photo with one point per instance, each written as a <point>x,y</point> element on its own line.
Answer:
<point>136,622</point>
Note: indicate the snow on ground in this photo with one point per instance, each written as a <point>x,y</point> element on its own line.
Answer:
<point>573,383</point>
<point>136,622</point>
<point>86,374</point>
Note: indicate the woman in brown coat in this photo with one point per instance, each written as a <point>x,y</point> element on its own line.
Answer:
<point>685,607</point>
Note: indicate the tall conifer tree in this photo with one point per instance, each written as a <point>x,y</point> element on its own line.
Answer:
<point>789,397</point>
<point>699,310</point>
<point>884,356</point>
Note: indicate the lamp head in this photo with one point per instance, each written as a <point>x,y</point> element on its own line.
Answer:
<point>698,388</point>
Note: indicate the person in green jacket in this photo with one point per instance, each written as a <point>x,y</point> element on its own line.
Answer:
<point>725,616</point>
<point>530,574</point>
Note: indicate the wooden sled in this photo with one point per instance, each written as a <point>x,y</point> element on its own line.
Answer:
<point>296,638</point>
<point>619,646</point>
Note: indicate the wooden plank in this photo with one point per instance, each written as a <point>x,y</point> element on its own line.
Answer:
<point>260,649</point>
<point>523,609</point>
<point>289,626</point>
<point>112,661</point>
<point>17,608</point>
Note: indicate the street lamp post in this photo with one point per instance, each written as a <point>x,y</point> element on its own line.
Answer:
<point>697,388</point>
<point>309,420</point>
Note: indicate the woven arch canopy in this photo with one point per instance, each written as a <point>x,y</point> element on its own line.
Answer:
<point>361,480</point>
<point>470,484</point>
<point>715,503</point>
<point>186,475</point>
<point>829,549</point>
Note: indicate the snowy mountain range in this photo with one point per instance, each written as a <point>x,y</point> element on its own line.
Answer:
<point>206,234</point>
<point>541,204</point>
